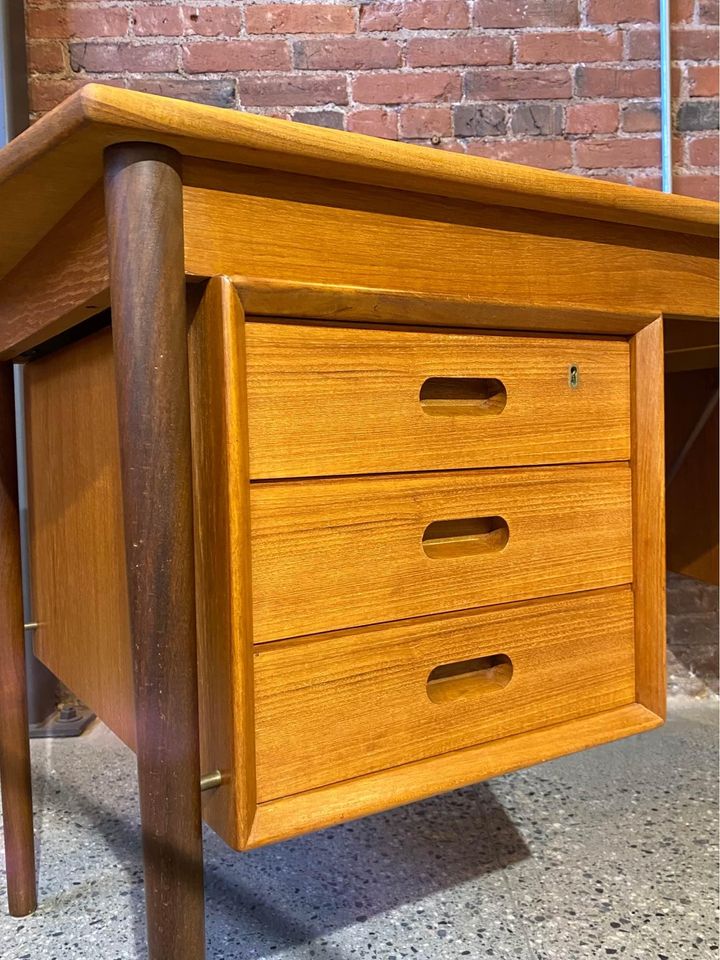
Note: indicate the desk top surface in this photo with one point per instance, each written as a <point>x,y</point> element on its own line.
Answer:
<point>45,170</point>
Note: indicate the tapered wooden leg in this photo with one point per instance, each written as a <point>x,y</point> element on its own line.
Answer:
<point>143,192</point>
<point>14,740</point>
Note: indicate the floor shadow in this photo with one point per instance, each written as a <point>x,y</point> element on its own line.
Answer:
<point>299,891</point>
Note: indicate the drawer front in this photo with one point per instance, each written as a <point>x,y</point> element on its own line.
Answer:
<point>340,706</point>
<point>329,554</point>
<point>331,400</point>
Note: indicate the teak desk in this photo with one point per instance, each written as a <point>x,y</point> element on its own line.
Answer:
<point>379,432</point>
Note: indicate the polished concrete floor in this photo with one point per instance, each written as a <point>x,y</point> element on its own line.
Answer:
<point>605,853</point>
<point>608,853</point>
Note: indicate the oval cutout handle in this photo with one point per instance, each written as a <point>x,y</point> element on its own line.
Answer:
<point>465,537</point>
<point>469,678</point>
<point>474,396</point>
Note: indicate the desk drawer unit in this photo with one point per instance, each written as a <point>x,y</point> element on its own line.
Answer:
<point>328,554</point>
<point>341,705</point>
<point>423,555</point>
<point>326,400</point>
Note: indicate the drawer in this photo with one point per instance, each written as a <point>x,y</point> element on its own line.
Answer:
<point>326,400</point>
<point>343,705</point>
<point>328,554</point>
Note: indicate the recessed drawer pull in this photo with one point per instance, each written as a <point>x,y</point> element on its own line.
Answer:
<point>469,678</point>
<point>464,537</point>
<point>476,396</point>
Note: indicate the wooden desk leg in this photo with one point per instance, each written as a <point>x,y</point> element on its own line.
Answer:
<point>143,192</point>
<point>14,738</point>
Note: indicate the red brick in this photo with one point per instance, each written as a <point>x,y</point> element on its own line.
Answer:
<point>609,176</point>
<point>647,181</point>
<point>618,153</point>
<point>46,56</point>
<point>688,43</point>
<point>213,21</point>
<point>291,90</point>
<point>380,16</point>
<point>353,53</point>
<point>569,47</point>
<point>64,23</point>
<point>588,118</point>
<point>641,117</point>
<point>682,10</point>
<point>691,44</point>
<point>643,44</point>
<point>519,84</point>
<point>119,57</point>
<point>421,123</point>
<point>219,56</point>
<point>526,13</point>
<point>46,93</point>
<point>406,87</point>
<point>703,151</point>
<point>553,154</point>
<point>704,186</point>
<point>459,51</point>
<point>157,21</point>
<point>617,81</point>
<point>299,18</point>
<point>375,123</point>
<point>623,11</point>
<point>216,93</point>
<point>703,81</point>
<point>434,15</point>
<point>708,12</point>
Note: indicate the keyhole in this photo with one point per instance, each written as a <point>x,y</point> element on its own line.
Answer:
<point>573,376</point>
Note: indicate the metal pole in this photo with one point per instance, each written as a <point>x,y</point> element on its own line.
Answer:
<point>13,66</point>
<point>666,163</point>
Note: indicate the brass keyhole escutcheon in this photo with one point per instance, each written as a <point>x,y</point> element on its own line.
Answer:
<point>574,376</point>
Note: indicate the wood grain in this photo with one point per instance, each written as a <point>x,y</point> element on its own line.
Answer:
<point>340,706</point>
<point>143,193</point>
<point>222,558</point>
<point>15,780</point>
<point>267,224</point>
<point>691,497</point>
<point>648,482</point>
<point>338,803</point>
<point>328,554</point>
<point>326,400</point>
<point>45,170</point>
<point>76,527</point>
<point>265,297</point>
<point>60,282</point>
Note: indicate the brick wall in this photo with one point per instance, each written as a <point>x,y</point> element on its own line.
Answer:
<point>566,84</point>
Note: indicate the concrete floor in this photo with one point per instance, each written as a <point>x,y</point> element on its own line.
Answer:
<point>606,853</point>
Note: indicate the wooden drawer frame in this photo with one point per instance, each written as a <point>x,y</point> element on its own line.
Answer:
<point>223,574</point>
<point>216,335</point>
<point>366,381</point>
<point>346,704</point>
<point>333,554</point>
